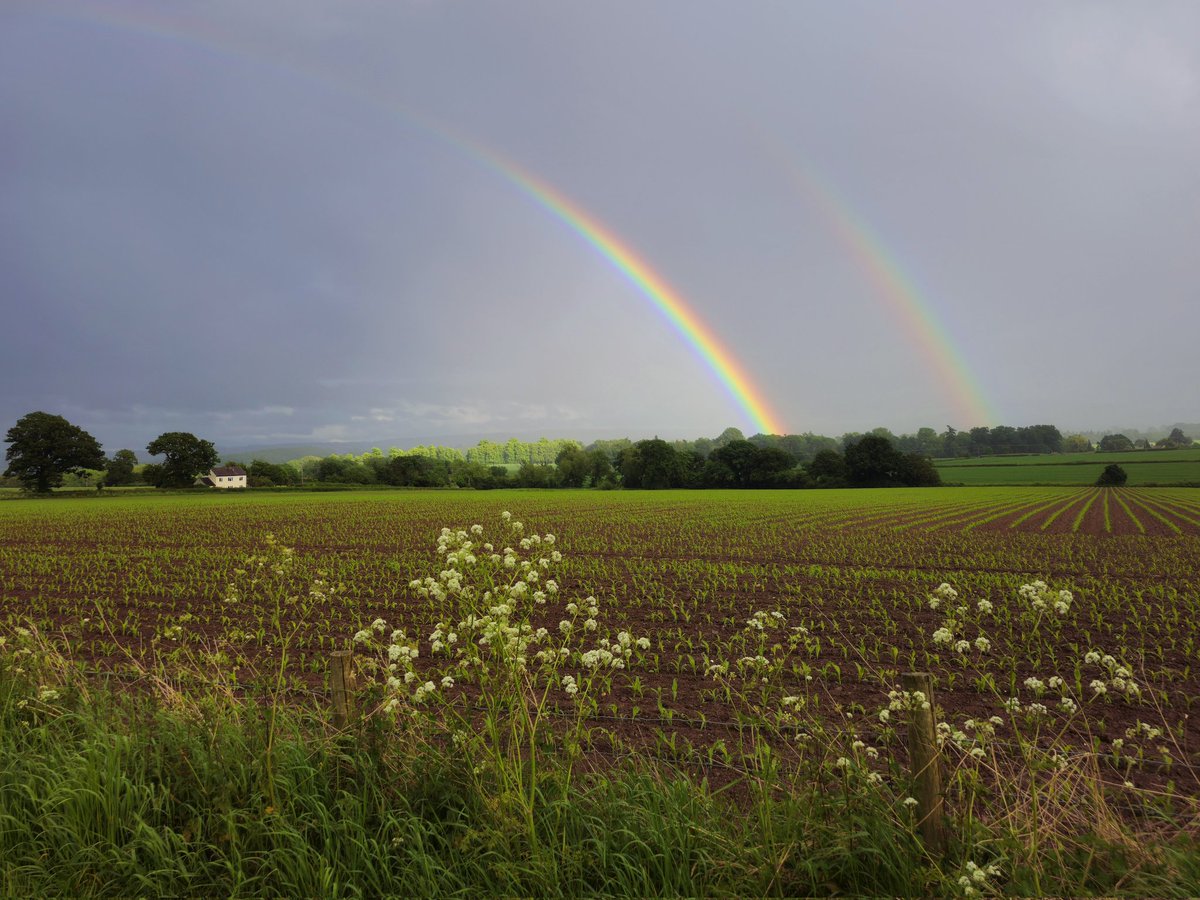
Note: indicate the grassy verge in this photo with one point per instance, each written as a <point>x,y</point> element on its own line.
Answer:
<point>123,797</point>
<point>109,794</point>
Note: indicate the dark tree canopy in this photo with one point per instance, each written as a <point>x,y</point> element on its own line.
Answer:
<point>828,469</point>
<point>741,464</point>
<point>186,457</point>
<point>120,468</point>
<point>1175,440</point>
<point>653,464</point>
<point>1112,476</point>
<point>874,462</point>
<point>1115,443</point>
<point>918,470</point>
<point>44,447</point>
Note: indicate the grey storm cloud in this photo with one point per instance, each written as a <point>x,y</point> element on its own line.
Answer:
<point>236,219</point>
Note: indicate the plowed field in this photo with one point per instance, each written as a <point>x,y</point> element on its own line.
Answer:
<point>143,581</point>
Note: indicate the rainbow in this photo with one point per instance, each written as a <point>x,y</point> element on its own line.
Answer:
<point>652,286</point>
<point>892,283</point>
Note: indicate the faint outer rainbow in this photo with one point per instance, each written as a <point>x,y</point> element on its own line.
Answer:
<point>616,252</point>
<point>893,284</point>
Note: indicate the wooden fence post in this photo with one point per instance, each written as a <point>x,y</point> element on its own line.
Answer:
<point>926,765</point>
<point>341,682</point>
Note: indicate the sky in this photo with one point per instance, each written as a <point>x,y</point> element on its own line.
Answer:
<point>300,221</point>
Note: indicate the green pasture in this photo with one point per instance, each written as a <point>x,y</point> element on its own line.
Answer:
<point>1140,473</point>
<point>1191,454</point>
<point>1144,467</point>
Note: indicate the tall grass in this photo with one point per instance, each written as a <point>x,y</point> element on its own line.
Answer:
<point>499,791</point>
<point>104,794</point>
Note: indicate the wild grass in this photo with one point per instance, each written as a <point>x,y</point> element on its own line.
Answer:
<point>494,783</point>
<point>106,794</point>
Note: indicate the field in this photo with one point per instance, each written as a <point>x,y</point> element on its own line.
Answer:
<point>1144,467</point>
<point>752,642</point>
<point>135,583</point>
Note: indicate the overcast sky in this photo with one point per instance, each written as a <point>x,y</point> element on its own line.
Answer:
<point>245,220</point>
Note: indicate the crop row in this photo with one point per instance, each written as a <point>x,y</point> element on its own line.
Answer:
<point>152,583</point>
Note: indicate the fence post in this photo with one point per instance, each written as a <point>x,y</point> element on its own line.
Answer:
<point>341,682</point>
<point>926,765</point>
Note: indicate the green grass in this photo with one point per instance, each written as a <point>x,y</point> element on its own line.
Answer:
<point>114,798</point>
<point>105,796</point>
<point>1060,459</point>
<point>1144,467</point>
<point>1169,473</point>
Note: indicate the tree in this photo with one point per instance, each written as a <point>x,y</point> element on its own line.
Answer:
<point>828,469</point>
<point>267,474</point>
<point>536,475</point>
<point>574,466</point>
<point>728,436</point>
<point>1076,443</point>
<point>731,464</point>
<point>1112,476</point>
<point>1175,440</point>
<point>44,447</point>
<point>651,464</point>
<point>918,470</point>
<point>1115,443</point>
<point>120,468</point>
<point>152,474</point>
<point>186,457</point>
<point>874,462</point>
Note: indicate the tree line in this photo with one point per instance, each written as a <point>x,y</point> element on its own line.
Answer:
<point>871,461</point>
<point>45,450</point>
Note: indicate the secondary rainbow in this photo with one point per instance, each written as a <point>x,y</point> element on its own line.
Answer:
<point>670,303</point>
<point>893,284</point>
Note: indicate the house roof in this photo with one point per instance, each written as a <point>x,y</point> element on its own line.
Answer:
<point>226,471</point>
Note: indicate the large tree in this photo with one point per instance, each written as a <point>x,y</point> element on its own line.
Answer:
<point>652,464</point>
<point>186,457</point>
<point>120,468</point>
<point>1115,443</point>
<point>44,447</point>
<point>1175,440</point>
<point>874,462</point>
<point>828,469</point>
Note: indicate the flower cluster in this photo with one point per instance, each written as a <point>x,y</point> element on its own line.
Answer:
<point>943,593</point>
<point>953,631</point>
<point>489,593</point>
<point>975,878</point>
<point>1117,677</point>
<point>1040,598</point>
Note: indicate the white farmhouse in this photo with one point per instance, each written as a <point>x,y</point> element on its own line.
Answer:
<point>225,477</point>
